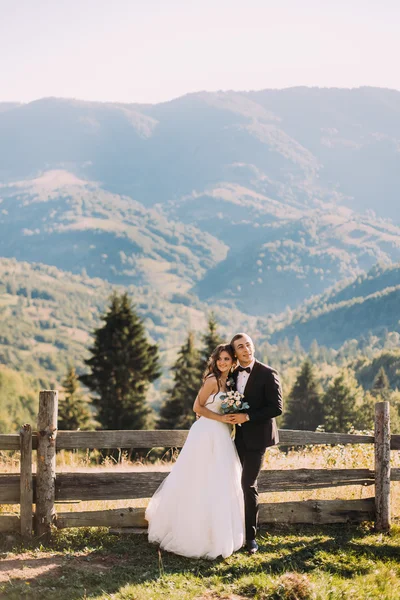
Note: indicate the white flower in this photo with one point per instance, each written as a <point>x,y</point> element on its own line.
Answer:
<point>237,403</point>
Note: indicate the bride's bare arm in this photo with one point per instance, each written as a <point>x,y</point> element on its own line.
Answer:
<point>209,387</point>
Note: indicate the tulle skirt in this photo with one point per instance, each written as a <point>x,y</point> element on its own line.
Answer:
<point>198,510</point>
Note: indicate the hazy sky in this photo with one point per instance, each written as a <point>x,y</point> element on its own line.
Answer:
<point>155,50</point>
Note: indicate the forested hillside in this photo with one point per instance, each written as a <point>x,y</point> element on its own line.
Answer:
<point>368,305</point>
<point>47,317</point>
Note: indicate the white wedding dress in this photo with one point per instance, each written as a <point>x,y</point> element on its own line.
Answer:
<point>198,510</point>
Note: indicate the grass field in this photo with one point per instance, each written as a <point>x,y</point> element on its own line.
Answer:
<point>294,562</point>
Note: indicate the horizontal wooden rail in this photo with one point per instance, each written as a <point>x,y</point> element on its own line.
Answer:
<point>9,523</point>
<point>395,475</point>
<point>10,488</point>
<point>10,441</point>
<point>116,517</point>
<point>129,485</point>
<point>305,511</point>
<point>116,485</point>
<point>318,511</point>
<point>288,437</point>
<point>97,485</point>
<point>395,442</point>
<point>69,440</point>
<point>310,479</point>
<point>176,438</point>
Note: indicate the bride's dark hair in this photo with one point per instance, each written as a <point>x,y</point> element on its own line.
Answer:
<point>212,368</point>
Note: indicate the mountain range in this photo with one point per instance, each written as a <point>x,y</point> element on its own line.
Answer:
<point>254,202</point>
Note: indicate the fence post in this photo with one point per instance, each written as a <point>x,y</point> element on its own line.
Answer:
<point>25,482</point>
<point>46,462</point>
<point>382,466</point>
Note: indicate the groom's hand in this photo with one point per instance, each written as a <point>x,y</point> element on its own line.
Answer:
<point>239,418</point>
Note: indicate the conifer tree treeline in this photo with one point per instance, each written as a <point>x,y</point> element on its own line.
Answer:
<point>122,365</point>
<point>343,405</point>
<point>177,410</point>
<point>304,407</point>
<point>73,409</point>
<point>210,341</point>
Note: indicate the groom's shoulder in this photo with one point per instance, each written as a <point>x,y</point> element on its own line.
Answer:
<point>267,369</point>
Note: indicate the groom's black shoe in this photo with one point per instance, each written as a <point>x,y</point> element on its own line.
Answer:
<point>251,546</point>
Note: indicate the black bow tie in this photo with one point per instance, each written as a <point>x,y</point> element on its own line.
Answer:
<point>247,369</point>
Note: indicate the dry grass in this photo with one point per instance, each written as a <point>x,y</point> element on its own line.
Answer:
<point>311,457</point>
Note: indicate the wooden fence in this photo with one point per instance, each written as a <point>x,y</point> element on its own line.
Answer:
<point>46,487</point>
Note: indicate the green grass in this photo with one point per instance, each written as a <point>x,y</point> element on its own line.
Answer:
<point>296,562</point>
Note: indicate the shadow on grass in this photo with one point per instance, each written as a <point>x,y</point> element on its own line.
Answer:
<point>88,563</point>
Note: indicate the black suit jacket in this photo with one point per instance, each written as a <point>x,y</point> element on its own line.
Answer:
<point>263,392</point>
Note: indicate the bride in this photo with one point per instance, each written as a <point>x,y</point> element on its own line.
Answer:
<point>198,510</point>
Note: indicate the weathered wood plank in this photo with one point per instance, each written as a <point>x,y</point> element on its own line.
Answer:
<point>288,437</point>
<point>269,481</point>
<point>9,524</point>
<point>46,462</point>
<point>69,440</point>
<point>118,517</point>
<point>318,511</point>
<point>9,488</point>
<point>135,484</point>
<point>108,486</point>
<point>26,488</point>
<point>382,466</point>
<point>308,511</point>
<point>395,442</point>
<point>308,479</point>
<point>9,441</point>
<point>394,474</point>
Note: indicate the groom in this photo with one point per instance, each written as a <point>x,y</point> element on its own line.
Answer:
<point>262,390</point>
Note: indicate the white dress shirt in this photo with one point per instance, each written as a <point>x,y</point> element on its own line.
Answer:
<point>243,377</point>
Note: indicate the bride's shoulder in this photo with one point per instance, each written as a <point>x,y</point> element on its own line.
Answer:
<point>210,382</point>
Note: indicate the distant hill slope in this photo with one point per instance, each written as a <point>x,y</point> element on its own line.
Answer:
<point>157,152</point>
<point>368,305</point>
<point>255,200</point>
<point>367,370</point>
<point>47,317</point>
<point>230,245</point>
<point>73,224</point>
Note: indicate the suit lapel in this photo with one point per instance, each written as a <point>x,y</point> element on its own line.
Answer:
<point>251,378</point>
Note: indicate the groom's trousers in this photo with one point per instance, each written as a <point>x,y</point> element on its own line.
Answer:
<point>252,461</point>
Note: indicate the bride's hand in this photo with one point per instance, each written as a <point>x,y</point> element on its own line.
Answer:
<point>227,418</point>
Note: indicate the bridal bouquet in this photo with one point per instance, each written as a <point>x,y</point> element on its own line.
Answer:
<point>232,402</point>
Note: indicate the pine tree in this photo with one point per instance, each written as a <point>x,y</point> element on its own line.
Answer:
<point>210,340</point>
<point>122,365</point>
<point>304,409</point>
<point>73,412</point>
<point>314,350</point>
<point>177,410</point>
<point>298,349</point>
<point>381,385</point>
<point>340,403</point>
<point>365,414</point>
